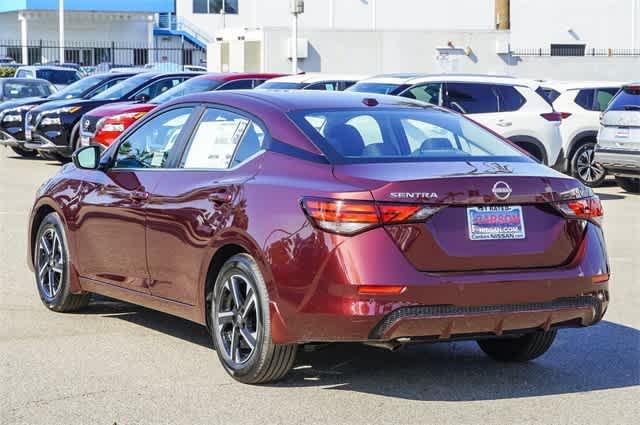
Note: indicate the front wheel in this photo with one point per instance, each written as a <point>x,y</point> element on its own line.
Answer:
<point>629,184</point>
<point>584,168</point>
<point>240,325</point>
<point>51,263</point>
<point>519,349</point>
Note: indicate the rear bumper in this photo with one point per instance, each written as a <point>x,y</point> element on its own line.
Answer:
<point>623,163</point>
<point>327,307</point>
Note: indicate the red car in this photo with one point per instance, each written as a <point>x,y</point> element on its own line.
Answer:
<point>103,125</point>
<point>283,218</point>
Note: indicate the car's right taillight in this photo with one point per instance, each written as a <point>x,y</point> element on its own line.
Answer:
<point>552,116</point>
<point>585,209</point>
<point>347,217</point>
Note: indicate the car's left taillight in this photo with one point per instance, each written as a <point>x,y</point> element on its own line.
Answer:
<point>348,217</point>
<point>585,209</point>
<point>109,128</point>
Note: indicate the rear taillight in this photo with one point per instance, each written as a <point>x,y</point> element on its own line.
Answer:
<point>565,115</point>
<point>585,209</point>
<point>552,116</point>
<point>351,217</point>
<point>108,129</point>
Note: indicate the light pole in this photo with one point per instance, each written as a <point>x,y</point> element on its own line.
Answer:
<point>297,8</point>
<point>61,29</point>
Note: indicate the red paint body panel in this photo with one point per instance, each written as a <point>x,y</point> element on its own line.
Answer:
<point>156,251</point>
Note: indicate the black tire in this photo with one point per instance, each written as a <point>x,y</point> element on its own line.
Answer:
<point>629,184</point>
<point>520,349</point>
<point>53,284</point>
<point>27,153</point>
<point>584,168</point>
<point>266,361</point>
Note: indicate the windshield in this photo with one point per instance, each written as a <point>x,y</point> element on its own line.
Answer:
<point>21,89</point>
<point>188,87</point>
<point>628,99</point>
<point>375,88</point>
<point>402,135</point>
<point>58,76</point>
<point>280,85</point>
<point>78,88</point>
<point>122,89</point>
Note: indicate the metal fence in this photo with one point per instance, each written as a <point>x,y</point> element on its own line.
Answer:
<point>107,52</point>
<point>574,50</point>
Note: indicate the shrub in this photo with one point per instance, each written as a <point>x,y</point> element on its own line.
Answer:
<point>6,72</point>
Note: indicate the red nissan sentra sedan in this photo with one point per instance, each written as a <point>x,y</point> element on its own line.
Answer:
<point>103,125</point>
<point>283,218</point>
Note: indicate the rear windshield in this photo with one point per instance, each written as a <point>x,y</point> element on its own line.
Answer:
<point>196,85</point>
<point>402,135</point>
<point>280,86</point>
<point>628,99</point>
<point>21,89</point>
<point>58,76</point>
<point>122,89</point>
<point>376,88</point>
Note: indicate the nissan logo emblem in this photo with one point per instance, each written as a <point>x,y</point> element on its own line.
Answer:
<point>501,190</point>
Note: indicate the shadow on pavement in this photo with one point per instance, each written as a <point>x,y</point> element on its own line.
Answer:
<point>601,357</point>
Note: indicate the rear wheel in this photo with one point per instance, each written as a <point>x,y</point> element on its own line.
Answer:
<point>584,168</point>
<point>27,153</point>
<point>629,184</point>
<point>520,349</point>
<point>241,327</point>
<point>51,263</point>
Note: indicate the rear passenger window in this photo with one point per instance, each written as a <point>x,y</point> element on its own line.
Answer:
<point>237,85</point>
<point>469,98</point>
<point>430,93</point>
<point>216,140</point>
<point>584,98</point>
<point>509,98</point>
<point>326,86</point>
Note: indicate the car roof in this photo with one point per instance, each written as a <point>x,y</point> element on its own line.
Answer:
<point>315,77</point>
<point>577,85</point>
<point>24,80</point>
<point>232,76</point>
<point>50,67</point>
<point>292,100</point>
<point>411,79</point>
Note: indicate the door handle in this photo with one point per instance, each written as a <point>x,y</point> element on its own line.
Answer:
<point>504,123</point>
<point>139,196</point>
<point>220,197</point>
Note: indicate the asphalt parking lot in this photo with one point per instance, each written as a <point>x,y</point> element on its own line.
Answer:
<point>118,363</point>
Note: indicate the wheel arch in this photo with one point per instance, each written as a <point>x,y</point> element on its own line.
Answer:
<point>531,145</point>
<point>578,140</point>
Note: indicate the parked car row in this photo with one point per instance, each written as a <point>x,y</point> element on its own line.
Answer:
<point>557,123</point>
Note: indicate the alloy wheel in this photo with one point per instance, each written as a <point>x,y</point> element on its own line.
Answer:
<point>237,319</point>
<point>586,169</point>
<point>50,264</point>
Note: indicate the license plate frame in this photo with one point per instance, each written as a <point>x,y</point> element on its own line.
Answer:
<point>494,223</point>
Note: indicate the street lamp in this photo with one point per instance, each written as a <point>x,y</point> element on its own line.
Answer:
<point>297,8</point>
<point>61,29</point>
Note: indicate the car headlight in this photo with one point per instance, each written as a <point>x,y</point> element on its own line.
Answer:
<point>50,121</point>
<point>12,118</point>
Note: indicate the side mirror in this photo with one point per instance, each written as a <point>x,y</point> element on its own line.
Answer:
<point>142,97</point>
<point>87,158</point>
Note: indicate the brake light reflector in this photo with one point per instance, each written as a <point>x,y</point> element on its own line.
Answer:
<point>380,290</point>
<point>552,116</point>
<point>586,209</point>
<point>350,217</point>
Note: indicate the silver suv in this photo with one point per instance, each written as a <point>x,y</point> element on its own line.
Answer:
<point>618,149</point>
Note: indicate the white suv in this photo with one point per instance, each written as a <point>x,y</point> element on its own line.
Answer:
<point>618,148</point>
<point>581,104</point>
<point>506,105</point>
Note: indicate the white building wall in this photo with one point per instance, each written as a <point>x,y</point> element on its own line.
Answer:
<point>350,14</point>
<point>596,23</point>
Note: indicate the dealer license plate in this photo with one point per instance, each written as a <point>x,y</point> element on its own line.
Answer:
<point>495,222</point>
